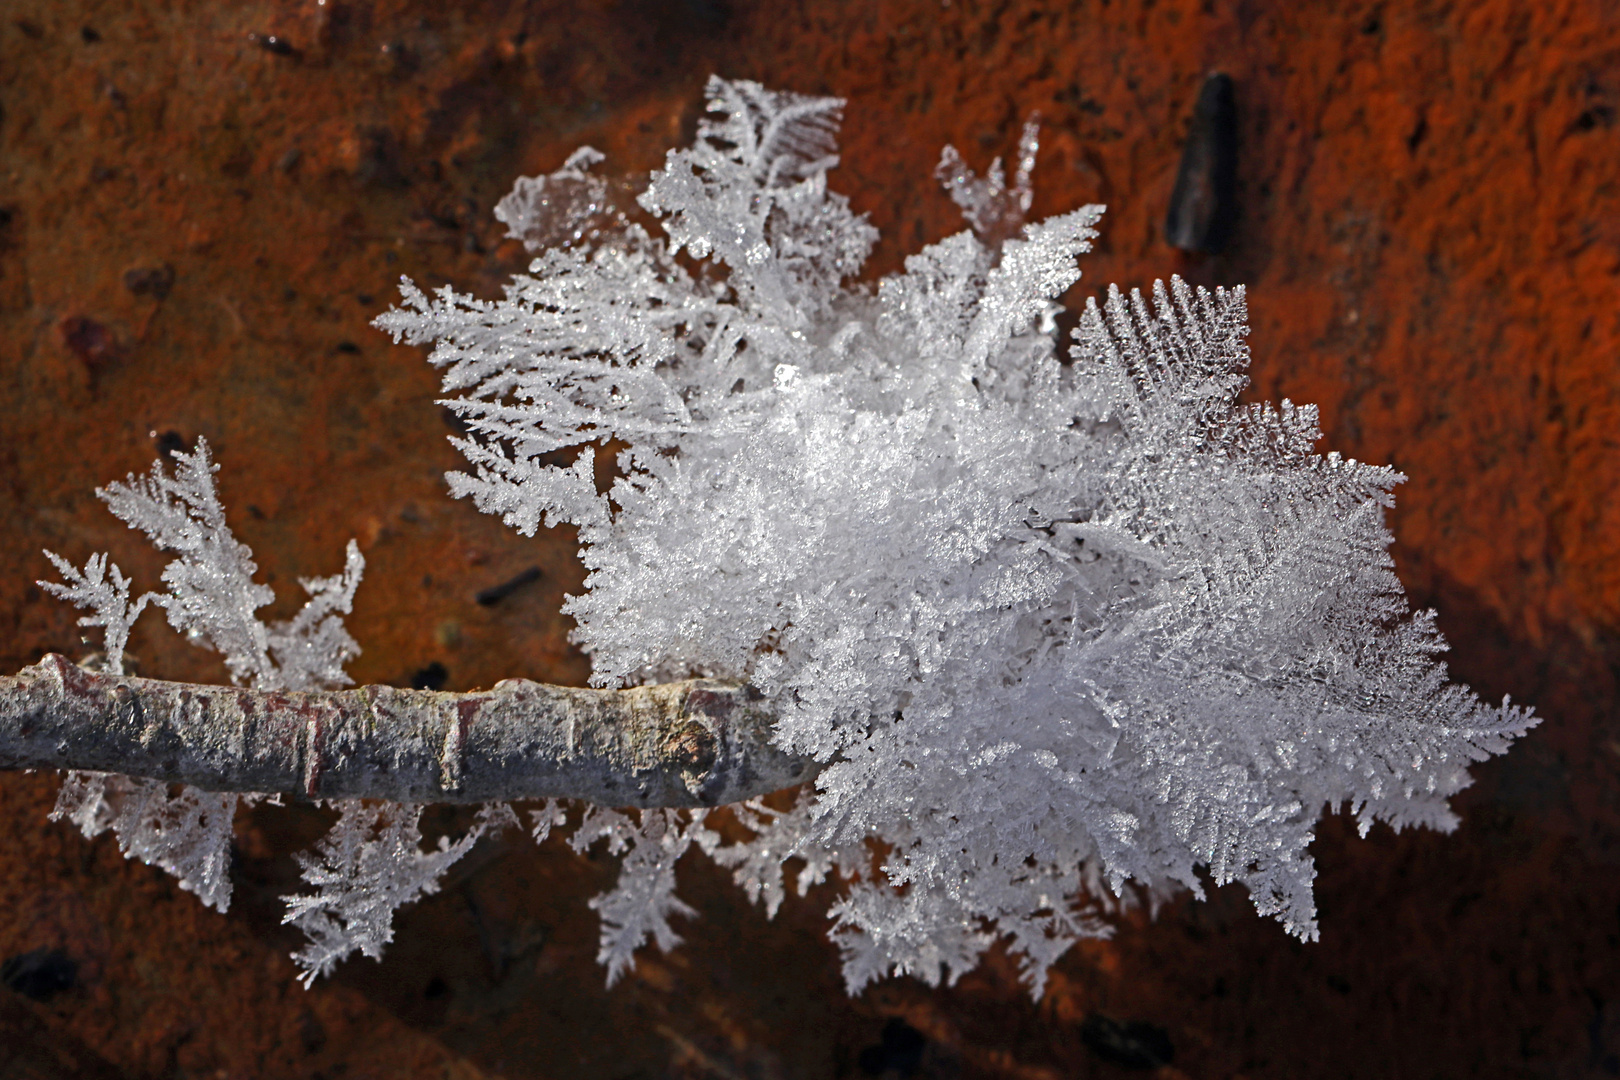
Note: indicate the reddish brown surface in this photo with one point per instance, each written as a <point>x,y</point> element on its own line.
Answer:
<point>197,229</point>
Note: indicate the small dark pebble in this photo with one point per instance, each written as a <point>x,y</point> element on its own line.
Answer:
<point>496,593</point>
<point>170,443</point>
<point>270,43</point>
<point>899,1051</point>
<point>432,677</point>
<point>1134,1044</point>
<point>88,35</point>
<point>153,281</point>
<point>40,974</point>
<point>347,347</point>
<point>91,342</point>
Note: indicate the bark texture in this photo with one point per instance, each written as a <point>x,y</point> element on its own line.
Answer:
<point>699,742</point>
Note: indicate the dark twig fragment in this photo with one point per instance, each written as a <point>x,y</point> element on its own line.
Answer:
<point>496,593</point>
<point>1203,206</point>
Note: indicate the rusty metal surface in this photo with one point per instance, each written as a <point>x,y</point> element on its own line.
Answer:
<point>202,206</point>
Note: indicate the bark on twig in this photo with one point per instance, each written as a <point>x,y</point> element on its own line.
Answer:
<point>695,743</point>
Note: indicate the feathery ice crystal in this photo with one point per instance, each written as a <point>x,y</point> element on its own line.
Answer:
<point>1058,627</point>
<point>211,598</point>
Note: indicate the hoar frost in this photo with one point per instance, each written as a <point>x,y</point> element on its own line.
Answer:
<point>211,598</point>
<point>1061,625</point>
<point>1052,622</point>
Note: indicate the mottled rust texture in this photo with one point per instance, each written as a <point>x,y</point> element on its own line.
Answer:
<point>202,205</point>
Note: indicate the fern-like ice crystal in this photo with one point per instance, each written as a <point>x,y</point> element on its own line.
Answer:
<point>1053,624</point>
<point>1064,629</point>
<point>211,598</point>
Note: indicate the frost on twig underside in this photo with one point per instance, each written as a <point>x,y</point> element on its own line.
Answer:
<point>368,865</point>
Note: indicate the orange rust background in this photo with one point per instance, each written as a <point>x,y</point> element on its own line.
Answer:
<point>1429,233</point>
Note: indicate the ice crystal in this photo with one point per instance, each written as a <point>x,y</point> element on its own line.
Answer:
<point>187,834</point>
<point>640,905</point>
<point>368,865</point>
<point>1065,631</point>
<point>1048,621</point>
<point>106,597</point>
<point>994,210</point>
<point>561,208</point>
<point>211,598</point>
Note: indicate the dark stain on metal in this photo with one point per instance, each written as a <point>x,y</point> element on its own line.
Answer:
<point>1134,1045</point>
<point>170,443</point>
<point>899,1051</point>
<point>153,281</point>
<point>39,974</point>
<point>432,677</point>
<point>1203,206</point>
<point>270,43</point>
<point>91,342</point>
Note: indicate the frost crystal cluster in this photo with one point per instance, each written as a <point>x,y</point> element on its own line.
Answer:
<point>1055,620</point>
<point>1060,625</point>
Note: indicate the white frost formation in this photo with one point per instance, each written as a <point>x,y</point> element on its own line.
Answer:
<point>1047,620</point>
<point>370,864</point>
<point>211,598</point>
<point>1061,629</point>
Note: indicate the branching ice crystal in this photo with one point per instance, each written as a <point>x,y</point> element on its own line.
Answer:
<point>368,865</point>
<point>211,598</point>
<point>1046,619</point>
<point>1064,630</point>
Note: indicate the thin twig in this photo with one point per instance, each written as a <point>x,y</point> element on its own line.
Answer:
<point>695,743</point>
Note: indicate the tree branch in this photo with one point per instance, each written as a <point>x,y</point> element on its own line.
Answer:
<point>695,743</point>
